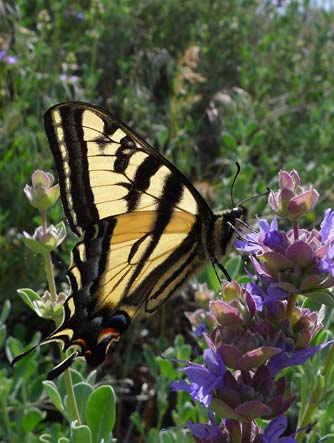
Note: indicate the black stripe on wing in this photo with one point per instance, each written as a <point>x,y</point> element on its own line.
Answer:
<point>174,190</point>
<point>76,157</point>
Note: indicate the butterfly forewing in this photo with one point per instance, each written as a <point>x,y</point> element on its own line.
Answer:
<point>105,169</point>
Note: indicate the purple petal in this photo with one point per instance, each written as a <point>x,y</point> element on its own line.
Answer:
<point>264,226</point>
<point>275,428</point>
<point>327,226</point>
<point>286,359</point>
<point>206,433</point>
<point>274,240</point>
<point>214,362</point>
<point>249,245</point>
<point>200,330</point>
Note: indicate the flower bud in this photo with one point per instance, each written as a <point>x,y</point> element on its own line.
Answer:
<point>42,195</point>
<point>42,241</point>
<point>50,307</point>
<point>292,201</point>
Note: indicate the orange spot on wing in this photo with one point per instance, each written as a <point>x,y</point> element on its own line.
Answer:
<point>80,341</point>
<point>108,332</point>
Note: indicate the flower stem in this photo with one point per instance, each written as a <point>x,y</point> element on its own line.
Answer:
<point>292,299</point>
<point>306,417</point>
<point>50,275</point>
<point>72,403</point>
<point>296,230</point>
<point>43,221</point>
<point>246,432</point>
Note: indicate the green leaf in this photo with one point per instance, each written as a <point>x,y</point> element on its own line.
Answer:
<point>76,377</point>
<point>258,138</point>
<point>100,412</point>
<point>320,298</point>
<point>136,418</point>
<point>31,418</point>
<point>151,360</point>
<point>3,333</point>
<point>91,377</point>
<point>229,141</point>
<point>4,312</point>
<point>209,276</point>
<point>232,265</point>
<point>81,434</point>
<point>28,296</point>
<point>250,128</point>
<point>153,436</point>
<point>13,348</point>
<point>166,368</point>
<point>82,391</point>
<point>52,391</point>
<point>45,438</point>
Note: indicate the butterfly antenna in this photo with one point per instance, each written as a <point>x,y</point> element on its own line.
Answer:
<point>254,196</point>
<point>233,183</point>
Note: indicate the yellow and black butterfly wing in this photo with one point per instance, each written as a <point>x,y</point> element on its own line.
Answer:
<point>140,221</point>
<point>106,169</point>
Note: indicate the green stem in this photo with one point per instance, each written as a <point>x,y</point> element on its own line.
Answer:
<point>6,420</point>
<point>306,417</point>
<point>50,275</point>
<point>72,403</point>
<point>329,362</point>
<point>43,221</point>
<point>292,299</point>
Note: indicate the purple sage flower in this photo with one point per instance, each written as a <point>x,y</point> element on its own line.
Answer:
<point>207,433</point>
<point>8,59</point>
<point>204,379</point>
<point>275,429</point>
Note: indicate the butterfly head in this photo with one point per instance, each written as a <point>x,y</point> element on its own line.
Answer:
<point>225,227</point>
<point>239,213</point>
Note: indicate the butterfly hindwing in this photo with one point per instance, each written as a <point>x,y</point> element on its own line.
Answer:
<point>124,265</point>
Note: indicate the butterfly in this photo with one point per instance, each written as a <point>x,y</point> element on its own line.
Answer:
<point>143,227</point>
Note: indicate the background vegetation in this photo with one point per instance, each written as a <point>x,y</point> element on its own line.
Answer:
<point>207,83</point>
